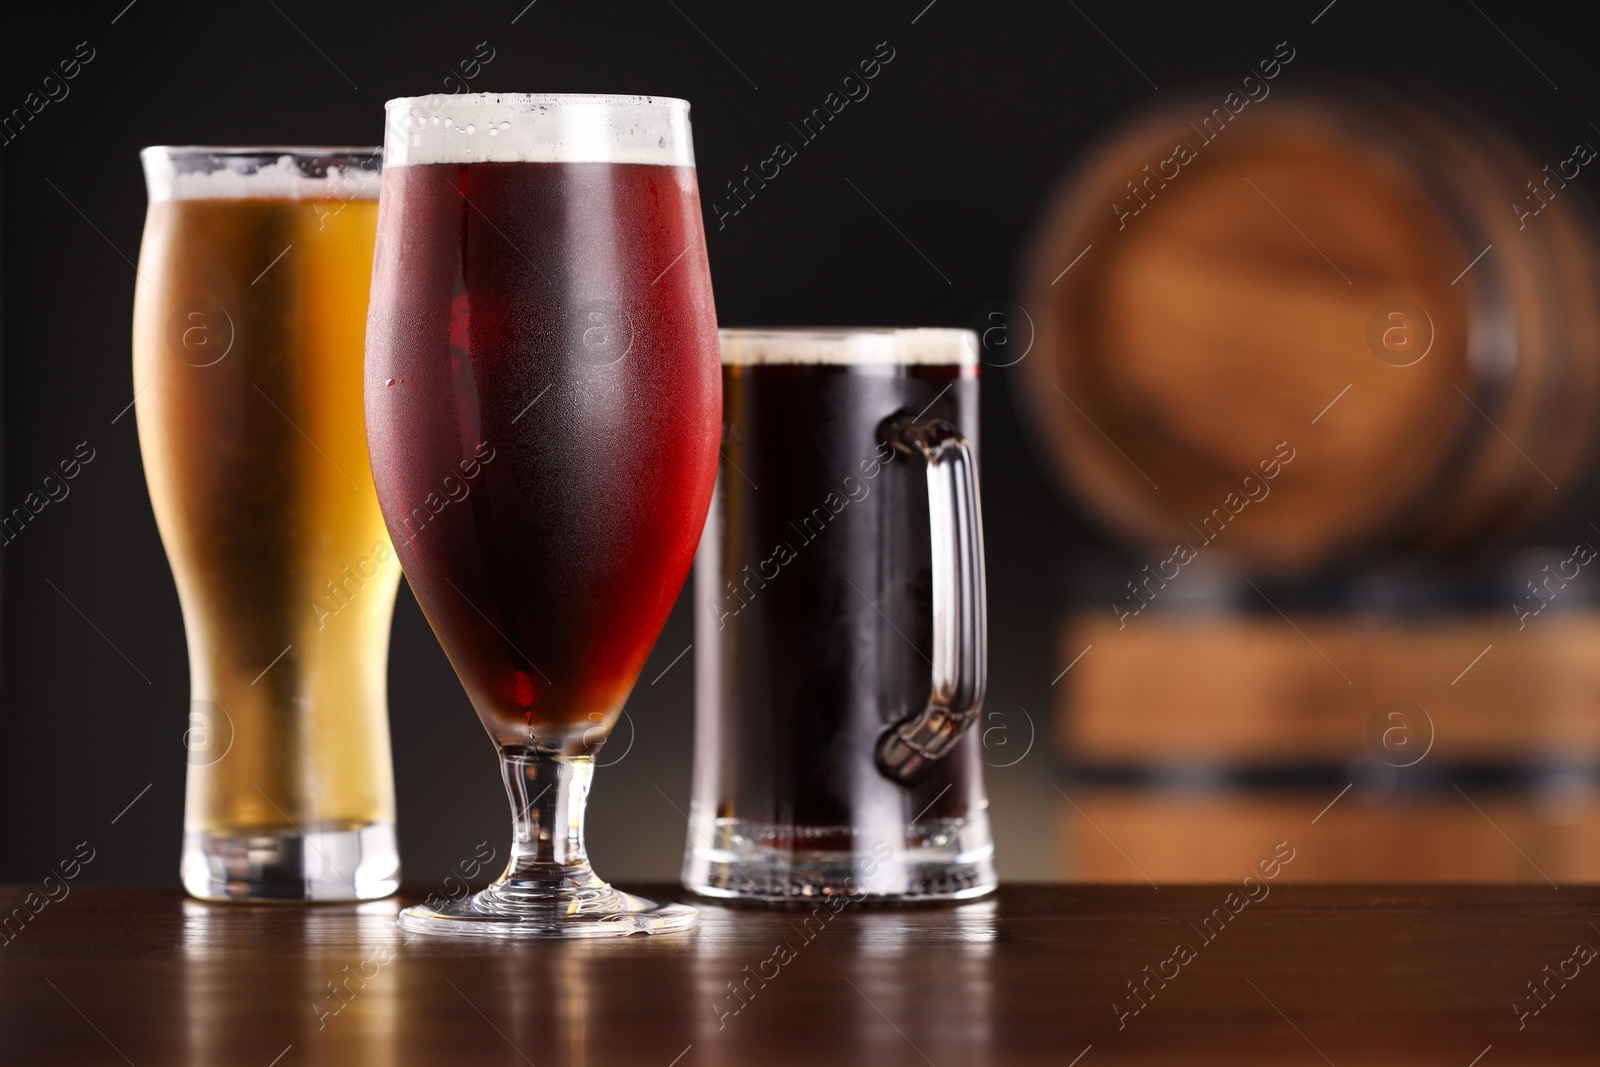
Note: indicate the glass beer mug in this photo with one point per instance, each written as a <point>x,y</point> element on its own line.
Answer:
<point>840,623</point>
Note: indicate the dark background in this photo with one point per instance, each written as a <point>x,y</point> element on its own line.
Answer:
<point>961,137</point>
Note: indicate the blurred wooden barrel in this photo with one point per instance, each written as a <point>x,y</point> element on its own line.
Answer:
<point>1117,835</point>
<point>1319,326</point>
<point>1424,750</point>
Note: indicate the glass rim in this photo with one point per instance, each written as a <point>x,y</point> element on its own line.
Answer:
<point>475,99</point>
<point>849,345</point>
<point>468,128</point>
<point>837,333</point>
<point>246,151</point>
<point>260,172</point>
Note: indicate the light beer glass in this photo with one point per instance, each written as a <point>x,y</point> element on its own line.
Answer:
<point>247,348</point>
<point>543,396</point>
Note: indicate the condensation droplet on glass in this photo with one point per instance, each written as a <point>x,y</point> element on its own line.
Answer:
<point>471,128</point>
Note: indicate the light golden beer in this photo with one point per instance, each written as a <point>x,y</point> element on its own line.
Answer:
<point>247,351</point>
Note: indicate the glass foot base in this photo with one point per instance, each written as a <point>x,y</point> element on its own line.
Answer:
<point>354,864</point>
<point>944,860</point>
<point>515,912</point>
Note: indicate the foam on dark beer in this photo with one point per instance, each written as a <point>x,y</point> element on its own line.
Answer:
<point>850,347</point>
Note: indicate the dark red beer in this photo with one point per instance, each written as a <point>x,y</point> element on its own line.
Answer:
<point>543,407</point>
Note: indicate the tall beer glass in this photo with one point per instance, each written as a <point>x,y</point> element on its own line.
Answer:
<point>543,408</point>
<point>247,346</point>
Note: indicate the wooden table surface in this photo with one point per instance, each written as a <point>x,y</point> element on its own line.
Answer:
<point>1038,974</point>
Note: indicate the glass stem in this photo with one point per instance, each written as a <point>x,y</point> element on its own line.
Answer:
<point>548,793</point>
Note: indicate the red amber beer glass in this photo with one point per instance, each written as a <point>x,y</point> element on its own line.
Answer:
<point>543,402</point>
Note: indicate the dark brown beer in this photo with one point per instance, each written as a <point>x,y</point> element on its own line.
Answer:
<point>814,614</point>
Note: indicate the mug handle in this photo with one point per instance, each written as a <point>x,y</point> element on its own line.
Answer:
<point>960,614</point>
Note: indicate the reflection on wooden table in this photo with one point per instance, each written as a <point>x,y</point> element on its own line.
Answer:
<point>1037,975</point>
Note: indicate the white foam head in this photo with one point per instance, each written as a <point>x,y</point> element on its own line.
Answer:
<point>866,346</point>
<point>272,173</point>
<point>537,128</point>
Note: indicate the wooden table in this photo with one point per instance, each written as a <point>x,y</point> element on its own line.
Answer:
<point>1038,974</point>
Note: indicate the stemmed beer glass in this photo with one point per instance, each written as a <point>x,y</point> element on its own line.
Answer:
<point>543,405</point>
